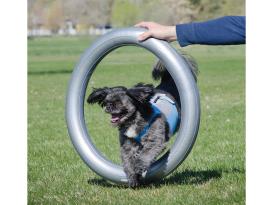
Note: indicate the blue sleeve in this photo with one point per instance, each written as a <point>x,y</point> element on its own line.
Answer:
<point>226,30</point>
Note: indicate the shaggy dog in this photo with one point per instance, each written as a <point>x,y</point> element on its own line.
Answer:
<point>138,113</point>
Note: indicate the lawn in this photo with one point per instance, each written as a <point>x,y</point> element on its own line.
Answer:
<point>213,173</point>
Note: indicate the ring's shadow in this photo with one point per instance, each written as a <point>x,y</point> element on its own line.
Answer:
<point>186,177</point>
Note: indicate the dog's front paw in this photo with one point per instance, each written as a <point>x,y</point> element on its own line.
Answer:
<point>133,181</point>
<point>133,184</point>
<point>140,169</point>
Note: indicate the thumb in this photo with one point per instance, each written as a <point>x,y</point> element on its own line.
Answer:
<point>144,36</point>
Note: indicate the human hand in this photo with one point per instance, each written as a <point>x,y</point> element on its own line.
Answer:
<point>156,30</point>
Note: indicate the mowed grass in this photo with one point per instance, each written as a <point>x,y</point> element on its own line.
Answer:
<point>213,173</point>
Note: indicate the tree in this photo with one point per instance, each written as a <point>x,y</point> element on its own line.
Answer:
<point>180,11</point>
<point>125,13</point>
<point>55,17</point>
<point>36,14</point>
<point>89,12</point>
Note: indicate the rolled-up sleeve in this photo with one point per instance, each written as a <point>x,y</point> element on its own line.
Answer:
<point>228,30</point>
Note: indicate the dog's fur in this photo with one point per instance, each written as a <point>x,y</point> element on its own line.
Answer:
<point>131,110</point>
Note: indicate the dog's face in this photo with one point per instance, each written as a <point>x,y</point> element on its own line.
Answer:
<point>121,103</point>
<point>120,106</point>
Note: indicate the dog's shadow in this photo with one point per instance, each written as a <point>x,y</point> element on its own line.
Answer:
<point>186,177</point>
<point>189,177</point>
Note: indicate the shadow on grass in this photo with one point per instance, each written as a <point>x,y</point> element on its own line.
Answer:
<point>49,72</point>
<point>104,183</point>
<point>186,177</point>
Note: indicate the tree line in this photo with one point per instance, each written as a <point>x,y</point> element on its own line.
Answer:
<point>53,14</point>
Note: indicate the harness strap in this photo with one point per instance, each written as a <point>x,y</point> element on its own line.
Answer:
<point>156,112</point>
<point>168,108</point>
<point>161,104</point>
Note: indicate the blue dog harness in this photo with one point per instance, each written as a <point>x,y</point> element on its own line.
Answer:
<point>161,104</point>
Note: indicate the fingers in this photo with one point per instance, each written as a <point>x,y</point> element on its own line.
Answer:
<point>143,24</point>
<point>139,24</point>
<point>147,34</point>
<point>144,36</point>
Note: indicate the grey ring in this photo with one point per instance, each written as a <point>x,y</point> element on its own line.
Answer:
<point>189,96</point>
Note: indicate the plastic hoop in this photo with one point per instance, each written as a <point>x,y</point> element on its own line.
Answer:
<point>189,97</point>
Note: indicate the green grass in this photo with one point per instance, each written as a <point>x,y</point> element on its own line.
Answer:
<point>213,173</point>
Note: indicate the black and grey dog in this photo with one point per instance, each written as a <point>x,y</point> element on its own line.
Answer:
<point>144,126</point>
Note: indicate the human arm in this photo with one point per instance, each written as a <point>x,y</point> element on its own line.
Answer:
<point>222,31</point>
<point>226,30</point>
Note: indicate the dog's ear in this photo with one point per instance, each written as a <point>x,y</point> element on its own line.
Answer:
<point>98,95</point>
<point>142,93</point>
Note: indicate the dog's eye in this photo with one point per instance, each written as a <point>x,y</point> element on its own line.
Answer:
<point>109,104</point>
